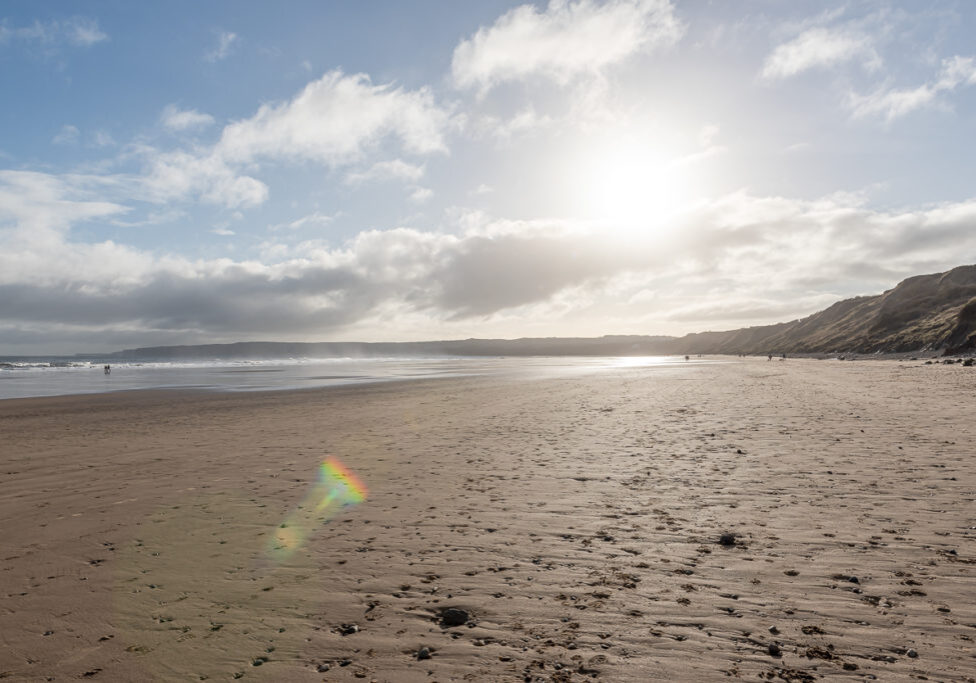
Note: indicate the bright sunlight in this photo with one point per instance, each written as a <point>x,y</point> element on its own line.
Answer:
<point>635,192</point>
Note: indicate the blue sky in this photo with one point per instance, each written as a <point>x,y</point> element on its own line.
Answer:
<point>204,172</point>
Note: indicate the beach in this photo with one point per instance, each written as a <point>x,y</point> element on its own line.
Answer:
<point>764,520</point>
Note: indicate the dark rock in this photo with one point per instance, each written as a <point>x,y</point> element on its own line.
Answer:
<point>727,539</point>
<point>773,630</point>
<point>423,653</point>
<point>774,650</point>
<point>453,616</point>
<point>912,653</point>
<point>347,629</point>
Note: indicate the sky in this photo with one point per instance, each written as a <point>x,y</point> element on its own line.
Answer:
<point>185,172</point>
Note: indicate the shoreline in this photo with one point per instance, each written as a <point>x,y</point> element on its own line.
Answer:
<point>575,519</point>
<point>477,366</point>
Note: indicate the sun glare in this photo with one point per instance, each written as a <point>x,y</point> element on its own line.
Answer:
<point>633,192</point>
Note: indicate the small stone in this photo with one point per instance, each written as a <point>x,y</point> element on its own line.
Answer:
<point>322,668</point>
<point>347,629</point>
<point>727,539</point>
<point>773,630</point>
<point>423,653</point>
<point>911,653</point>
<point>453,616</point>
<point>774,650</point>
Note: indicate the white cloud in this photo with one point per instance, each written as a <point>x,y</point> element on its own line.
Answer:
<point>37,210</point>
<point>177,119</point>
<point>223,231</point>
<point>709,149</point>
<point>102,138</point>
<point>334,120</point>
<point>566,40</point>
<point>177,175</point>
<point>421,195</point>
<point>818,48</point>
<point>77,32</point>
<point>523,122</point>
<point>892,103</point>
<point>312,219</point>
<point>396,169</point>
<point>226,40</point>
<point>84,32</point>
<point>42,202</point>
<point>67,135</point>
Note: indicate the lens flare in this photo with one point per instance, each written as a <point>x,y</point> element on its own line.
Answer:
<point>336,489</point>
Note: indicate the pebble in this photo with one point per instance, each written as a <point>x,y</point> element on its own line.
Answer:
<point>727,539</point>
<point>912,653</point>
<point>453,616</point>
<point>774,650</point>
<point>423,653</point>
<point>773,630</point>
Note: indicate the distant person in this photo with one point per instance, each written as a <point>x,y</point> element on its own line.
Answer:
<point>108,369</point>
<point>769,357</point>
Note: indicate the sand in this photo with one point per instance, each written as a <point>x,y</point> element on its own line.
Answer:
<point>575,520</point>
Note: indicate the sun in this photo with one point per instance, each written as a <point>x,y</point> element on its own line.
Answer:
<point>634,191</point>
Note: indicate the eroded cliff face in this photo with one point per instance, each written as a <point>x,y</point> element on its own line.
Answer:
<point>936,311</point>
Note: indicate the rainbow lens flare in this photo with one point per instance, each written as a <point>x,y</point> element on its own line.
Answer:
<point>336,489</point>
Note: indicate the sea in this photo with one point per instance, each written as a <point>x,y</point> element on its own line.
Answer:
<point>22,377</point>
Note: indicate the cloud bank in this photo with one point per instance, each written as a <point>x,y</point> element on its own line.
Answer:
<point>485,272</point>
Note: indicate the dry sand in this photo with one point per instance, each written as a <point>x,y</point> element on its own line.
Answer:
<point>576,520</point>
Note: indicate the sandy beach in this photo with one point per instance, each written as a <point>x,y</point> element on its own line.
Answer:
<point>575,522</point>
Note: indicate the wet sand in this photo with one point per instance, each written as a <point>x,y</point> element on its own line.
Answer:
<point>575,521</point>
